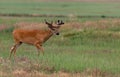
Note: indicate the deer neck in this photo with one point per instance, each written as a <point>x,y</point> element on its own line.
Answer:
<point>48,34</point>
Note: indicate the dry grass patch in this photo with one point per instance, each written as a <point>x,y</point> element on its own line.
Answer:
<point>17,70</point>
<point>2,27</point>
<point>29,25</point>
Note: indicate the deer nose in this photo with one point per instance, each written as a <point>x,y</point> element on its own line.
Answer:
<point>57,33</point>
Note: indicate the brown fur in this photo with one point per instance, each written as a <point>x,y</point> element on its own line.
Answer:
<point>33,37</point>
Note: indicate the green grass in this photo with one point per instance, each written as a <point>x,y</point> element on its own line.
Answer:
<point>73,51</point>
<point>60,8</point>
<point>86,43</point>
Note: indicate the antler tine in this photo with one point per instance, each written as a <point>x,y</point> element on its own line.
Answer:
<point>47,22</point>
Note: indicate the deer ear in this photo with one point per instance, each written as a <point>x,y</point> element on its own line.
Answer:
<point>60,22</point>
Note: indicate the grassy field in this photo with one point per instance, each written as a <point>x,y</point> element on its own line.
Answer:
<point>82,46</point>
<point>60,8</point>
<point>86,47</point>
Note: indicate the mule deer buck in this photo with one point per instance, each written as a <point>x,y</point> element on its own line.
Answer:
<point>34,37</point>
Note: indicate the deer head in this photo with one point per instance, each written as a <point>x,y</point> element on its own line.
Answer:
<point>55,29</point>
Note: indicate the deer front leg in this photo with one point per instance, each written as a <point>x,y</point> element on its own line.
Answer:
<point>13,49</point>
<point>39,47</point>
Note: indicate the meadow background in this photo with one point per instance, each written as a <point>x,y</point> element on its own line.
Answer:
<point>88,45</point>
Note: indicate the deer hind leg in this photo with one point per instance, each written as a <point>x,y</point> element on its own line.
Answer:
<point>39,47</point>
<point>14,48</point>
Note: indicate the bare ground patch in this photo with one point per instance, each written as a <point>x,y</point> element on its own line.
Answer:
<point>30,25</point>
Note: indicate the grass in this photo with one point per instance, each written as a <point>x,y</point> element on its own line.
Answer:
<point>60,8</point>
<point>84,44</point>
<point>75,50</point>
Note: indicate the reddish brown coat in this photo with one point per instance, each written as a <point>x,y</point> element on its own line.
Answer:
<point>34,37</point>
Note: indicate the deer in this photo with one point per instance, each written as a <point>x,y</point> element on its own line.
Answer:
<point>34,37</point>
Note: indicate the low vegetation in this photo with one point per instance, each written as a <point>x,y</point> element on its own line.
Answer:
<point>84,48</point>
<point>88,45</point>
<point>70,9</point>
